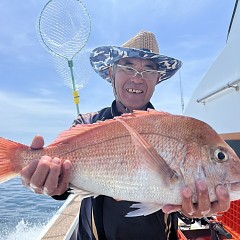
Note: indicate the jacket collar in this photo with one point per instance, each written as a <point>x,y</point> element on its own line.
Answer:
<point>115,112</point>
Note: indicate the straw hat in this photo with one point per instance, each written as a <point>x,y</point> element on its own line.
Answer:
<point>143,45</point>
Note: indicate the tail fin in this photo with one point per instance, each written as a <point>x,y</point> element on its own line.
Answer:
<point>9,164</point>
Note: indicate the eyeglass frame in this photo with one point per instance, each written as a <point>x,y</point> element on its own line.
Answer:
<point>137,72</point>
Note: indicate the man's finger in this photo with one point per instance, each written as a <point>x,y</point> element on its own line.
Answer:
<point>64,181</point>
<point>51,183</point>
<point>40,175</point>
<point>27,172</point>
<point>37,143</point>
<point>204,204</point>
<point>187,205</point>
<point>223,203</point>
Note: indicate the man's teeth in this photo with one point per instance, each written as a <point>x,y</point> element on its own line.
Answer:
<point>131,90</point>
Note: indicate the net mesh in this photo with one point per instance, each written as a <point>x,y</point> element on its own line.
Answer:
<point>81,69</point>
<point>64,26</point>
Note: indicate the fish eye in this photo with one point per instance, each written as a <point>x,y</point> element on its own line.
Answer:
<point>220,155</point>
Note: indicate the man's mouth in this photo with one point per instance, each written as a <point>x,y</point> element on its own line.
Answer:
<point>131,90</point>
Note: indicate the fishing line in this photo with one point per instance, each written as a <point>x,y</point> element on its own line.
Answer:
<point>181,90</point>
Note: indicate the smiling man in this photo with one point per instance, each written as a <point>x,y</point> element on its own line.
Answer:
<point>129,82</point>
<point>134,70</point>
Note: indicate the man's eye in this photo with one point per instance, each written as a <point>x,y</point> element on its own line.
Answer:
<point>129,69</point>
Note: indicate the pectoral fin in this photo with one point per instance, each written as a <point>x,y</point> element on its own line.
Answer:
<point>81,192</point>
<point>144,209</point>
<point>150,156</point>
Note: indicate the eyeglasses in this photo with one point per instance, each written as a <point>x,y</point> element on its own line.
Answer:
<point>146,74</point>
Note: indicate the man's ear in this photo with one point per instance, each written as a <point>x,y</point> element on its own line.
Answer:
<point>110,73</point>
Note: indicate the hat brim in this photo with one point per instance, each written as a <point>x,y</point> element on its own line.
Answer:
<point>104,57</point>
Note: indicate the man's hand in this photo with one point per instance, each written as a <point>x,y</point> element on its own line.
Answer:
<point>47,175</point>
<point>204,207</point>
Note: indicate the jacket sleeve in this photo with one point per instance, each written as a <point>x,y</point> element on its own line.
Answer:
<point>87,118</point>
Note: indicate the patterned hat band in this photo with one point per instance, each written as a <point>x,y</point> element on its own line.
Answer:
<point>144,46</point>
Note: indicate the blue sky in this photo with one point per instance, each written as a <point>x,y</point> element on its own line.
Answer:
<point>35,100</point>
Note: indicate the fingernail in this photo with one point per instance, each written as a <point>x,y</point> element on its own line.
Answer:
<point>187,192</point>
<point>56,161</point>
<point>202,185</point>
<point>24,182</point>
<point>32,186</point>
<point>45,191</point>
<point>67,165</point>
<point>46,159</point>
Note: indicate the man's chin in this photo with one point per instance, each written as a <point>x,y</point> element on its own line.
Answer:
<point>137,107</point>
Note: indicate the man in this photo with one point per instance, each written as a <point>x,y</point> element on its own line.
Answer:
<point>133,70</point>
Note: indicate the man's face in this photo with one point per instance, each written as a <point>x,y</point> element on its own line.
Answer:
<point>134,92</point>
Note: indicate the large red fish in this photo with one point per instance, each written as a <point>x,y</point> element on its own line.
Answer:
<point>146,156</point>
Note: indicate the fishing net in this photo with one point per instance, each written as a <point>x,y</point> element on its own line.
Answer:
<point>64,27</point>
<point>81,69</point>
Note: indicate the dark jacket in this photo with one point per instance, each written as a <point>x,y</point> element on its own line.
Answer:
<point>109,214</point>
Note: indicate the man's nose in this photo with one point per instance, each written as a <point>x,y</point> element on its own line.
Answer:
<point>138,77</point>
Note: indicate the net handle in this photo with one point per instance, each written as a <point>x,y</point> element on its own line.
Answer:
<point>76,96</point>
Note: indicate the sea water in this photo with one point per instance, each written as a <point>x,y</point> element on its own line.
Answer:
<point>23,213</point>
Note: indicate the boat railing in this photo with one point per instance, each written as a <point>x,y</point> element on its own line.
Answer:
<point>229,85</point>
<point>64,222</point>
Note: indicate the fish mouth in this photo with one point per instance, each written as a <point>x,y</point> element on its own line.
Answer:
<point>135,91</point>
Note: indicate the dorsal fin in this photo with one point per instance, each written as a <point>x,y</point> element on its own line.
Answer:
<point>150,111</point>
<point>67,135</point>
<point>73,132</point>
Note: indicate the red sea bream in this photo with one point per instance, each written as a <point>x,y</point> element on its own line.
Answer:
<point>146,156</point>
